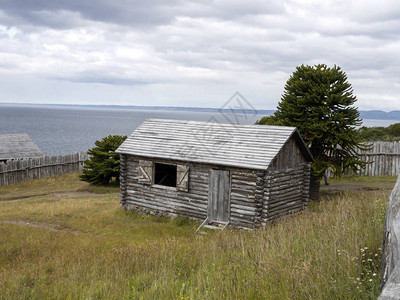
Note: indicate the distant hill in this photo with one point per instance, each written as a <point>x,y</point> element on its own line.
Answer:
<point>364,114</point>
<point>380,115</point>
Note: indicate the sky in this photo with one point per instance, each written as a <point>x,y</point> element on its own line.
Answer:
<point>193,53</point>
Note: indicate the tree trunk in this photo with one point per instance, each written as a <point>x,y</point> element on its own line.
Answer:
<point>314,188</point>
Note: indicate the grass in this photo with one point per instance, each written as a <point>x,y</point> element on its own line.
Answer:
<point>98,251</point>
<point>365,182</point>
<point>41,187</point>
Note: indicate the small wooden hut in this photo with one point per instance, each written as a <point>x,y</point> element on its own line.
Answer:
<point>241,175</point>
<point>18,146</point>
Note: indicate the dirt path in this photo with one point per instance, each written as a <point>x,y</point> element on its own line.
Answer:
<point>66,194</point>
<point>73,194</point>
<point>353,187</point>
<point>343,187</point>
<point>59,196</point>
<point>41,226</point>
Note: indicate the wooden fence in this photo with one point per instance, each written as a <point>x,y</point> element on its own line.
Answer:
<point>14,171</point>
<point>383,159</point>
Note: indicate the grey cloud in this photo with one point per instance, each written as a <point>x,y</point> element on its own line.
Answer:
<point>54,19</point>
<point>135,13</point>
<point>231,9</point>
<point>175,47</point>
<point>131,13</point>
<point>103,80</point>
<point>374,11</point>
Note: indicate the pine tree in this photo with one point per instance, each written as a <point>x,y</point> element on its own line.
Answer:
<point>319,101</point>
<point>103,164</point>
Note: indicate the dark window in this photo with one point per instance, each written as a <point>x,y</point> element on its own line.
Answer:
<point>165,174</point>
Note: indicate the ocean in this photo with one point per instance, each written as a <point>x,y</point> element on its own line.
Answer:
<point>68,129</point>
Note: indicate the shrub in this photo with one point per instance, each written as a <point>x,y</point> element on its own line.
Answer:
<point>104,164</point>
<point>390,133</point>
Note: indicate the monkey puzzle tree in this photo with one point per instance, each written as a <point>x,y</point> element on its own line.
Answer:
<point>103,164</point>
<point>319,101</point>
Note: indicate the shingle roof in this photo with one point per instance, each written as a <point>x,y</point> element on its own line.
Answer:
<point>245,146</point>
<point>17,146</point>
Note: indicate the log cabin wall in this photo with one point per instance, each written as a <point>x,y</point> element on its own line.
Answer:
<point>286,183</point>
<point>163,200</point>
<point>306,183</point>
<point>285,192</point>
<point>245,198</point>
<point>123,176</point>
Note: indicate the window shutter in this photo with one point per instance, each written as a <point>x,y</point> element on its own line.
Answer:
<point>145,172</point>
<point>182,178</point>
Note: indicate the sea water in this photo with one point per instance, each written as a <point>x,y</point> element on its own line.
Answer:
<point>68,129</point>
<point>61,130</point>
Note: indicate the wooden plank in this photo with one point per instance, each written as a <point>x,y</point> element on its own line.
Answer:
<point>219,189</point>
<point>146,170</point>
<point>182,177</point>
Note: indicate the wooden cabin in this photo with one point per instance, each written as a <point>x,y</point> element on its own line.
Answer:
<point>241,175</point>
<point>18,146</point>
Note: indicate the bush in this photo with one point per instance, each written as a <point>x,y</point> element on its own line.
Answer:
<point>390,133</point>
<point>394,130</point>
<point>103,166</point>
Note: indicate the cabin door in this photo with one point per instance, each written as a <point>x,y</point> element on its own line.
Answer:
<point>218,195</point>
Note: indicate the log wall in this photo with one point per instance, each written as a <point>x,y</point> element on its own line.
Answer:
<point>245,198</point>
<point>285,192</point>
<point>123,178</point>
<point>164,200</point>
<point>256,196</point>
<point>14,171</point>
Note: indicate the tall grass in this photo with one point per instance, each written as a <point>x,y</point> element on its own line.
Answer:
<point>330,251</point>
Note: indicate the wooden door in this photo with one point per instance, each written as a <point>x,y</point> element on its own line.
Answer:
<point>218,195</point>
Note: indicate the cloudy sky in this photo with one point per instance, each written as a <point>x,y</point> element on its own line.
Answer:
<point>193,53</point>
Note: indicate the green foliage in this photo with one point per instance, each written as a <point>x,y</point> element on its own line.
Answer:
<point>394,129</point>
<point>373,133</point>
<point>103,165</point>
<point>319,101</point>
<point>267,120</point>
<point>390,133</point>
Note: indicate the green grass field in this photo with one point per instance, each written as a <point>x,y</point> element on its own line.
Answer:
<point>63,239</point>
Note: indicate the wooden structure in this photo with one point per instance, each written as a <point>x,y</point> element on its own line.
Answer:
<point>18,146</point>
<point>244,175</point>
<point>14,171</point>
<point>383,160</point>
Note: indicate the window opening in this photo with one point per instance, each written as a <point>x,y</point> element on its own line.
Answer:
<point>165,174</point>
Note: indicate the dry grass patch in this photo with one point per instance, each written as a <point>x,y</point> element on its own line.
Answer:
<point>331,251</point>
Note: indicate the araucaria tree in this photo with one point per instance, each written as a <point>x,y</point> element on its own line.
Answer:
<point>103,165</point>
<point>319,101</point>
